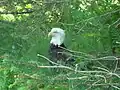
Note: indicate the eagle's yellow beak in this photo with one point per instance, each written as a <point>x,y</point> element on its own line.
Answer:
<point>49,34</point>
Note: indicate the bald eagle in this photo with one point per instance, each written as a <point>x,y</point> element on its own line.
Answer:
<point>57,51</point>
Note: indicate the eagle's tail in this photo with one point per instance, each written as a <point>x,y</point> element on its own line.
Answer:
<point>70,61</point>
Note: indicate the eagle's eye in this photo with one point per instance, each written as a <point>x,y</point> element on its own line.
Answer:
<point>55,32</point>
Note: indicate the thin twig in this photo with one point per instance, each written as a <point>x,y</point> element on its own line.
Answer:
<point>115,22</point>
<point>82,27</point>
<point>116,65</point>
<point>93,84</point>
<point>102,65</point>
<point>76,68</point>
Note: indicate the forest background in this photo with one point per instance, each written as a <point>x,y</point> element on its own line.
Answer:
<point>92,30</point>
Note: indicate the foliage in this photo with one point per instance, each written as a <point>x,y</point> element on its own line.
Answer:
<point>92,27</point>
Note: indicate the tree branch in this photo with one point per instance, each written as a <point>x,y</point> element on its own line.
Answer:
<point>24,12</point>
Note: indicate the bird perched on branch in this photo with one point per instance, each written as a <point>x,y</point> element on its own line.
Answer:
<point>57,49</point>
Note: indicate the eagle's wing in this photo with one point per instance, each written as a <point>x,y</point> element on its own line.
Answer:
<point>60,54</point>
<point>67,57</point>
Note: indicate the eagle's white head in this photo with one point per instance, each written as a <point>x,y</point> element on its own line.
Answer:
<point>58,36</point>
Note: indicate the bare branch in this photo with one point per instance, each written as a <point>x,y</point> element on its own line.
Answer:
<point>94,58</point>
<point>77,78</point>
<point>116,65</point>
<point>114,74</point>
<point>115,87</point>
<point>115,22</point>
<point>39,55</point>
<point>24,12</point>
<point>93,84</point>
<point>102,69</point>
<point>52,2</point>
<point>91,18</point>
<point>77,52</point>
<point>102,76</point>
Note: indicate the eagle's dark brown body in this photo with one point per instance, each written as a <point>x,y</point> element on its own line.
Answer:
<point>58,54</point>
